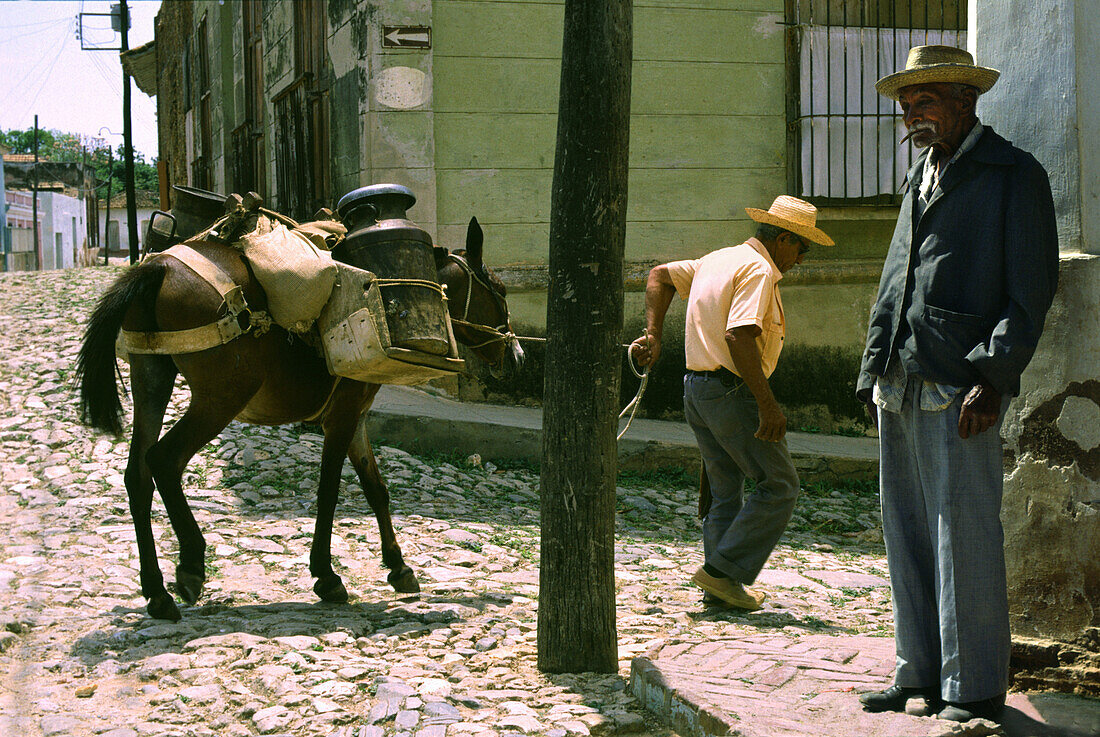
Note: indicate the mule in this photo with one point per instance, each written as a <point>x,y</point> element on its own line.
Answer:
<point>272,379</point>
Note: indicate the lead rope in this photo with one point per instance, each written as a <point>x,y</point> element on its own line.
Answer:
<point>500,335</point>
<point>632,407</point>
<point>643,381</point>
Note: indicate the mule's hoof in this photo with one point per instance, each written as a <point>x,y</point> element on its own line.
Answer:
<point>331,589</point>
<point>404,581</point>
<point>189,585</point>
<point>162,606</point>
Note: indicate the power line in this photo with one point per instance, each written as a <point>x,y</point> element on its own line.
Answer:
<point>17,26</point>
<point>45,79</point>
<point>42,60</point>
<point>29,34</point>
<point>109,75</point>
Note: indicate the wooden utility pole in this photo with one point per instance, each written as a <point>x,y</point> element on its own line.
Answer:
<point>127,141</point>
<point>576,627</point>
<point>34,202</point>
<point>107,215</point>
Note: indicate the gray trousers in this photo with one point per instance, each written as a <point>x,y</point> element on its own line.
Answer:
<point>941,504</point>
<point>739,534</point>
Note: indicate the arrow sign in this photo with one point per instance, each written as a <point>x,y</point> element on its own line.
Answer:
<point>406,37</point>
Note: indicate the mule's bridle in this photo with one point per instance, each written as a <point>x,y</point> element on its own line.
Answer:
<point>499,334</point>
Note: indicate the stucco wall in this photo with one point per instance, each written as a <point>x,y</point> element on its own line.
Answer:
<point>470,126</point>
<point>1045,102</point>
<point>707,123</point>
<point>118,215</point>
<point>60,215</point>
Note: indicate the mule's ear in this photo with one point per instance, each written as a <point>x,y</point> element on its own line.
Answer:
<point>475,239</point>
<point>440,254</point>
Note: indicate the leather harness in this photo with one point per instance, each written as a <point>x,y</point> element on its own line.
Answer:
<point>237,321</point>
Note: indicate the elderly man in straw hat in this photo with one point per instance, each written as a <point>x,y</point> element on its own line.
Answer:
<point>732,340</point>
<point>968,278</point>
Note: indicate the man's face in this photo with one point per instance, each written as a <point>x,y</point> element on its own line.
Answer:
<point>789,250</point>
<point>934,115</point>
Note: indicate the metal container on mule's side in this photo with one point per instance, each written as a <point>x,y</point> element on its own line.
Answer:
<point>381,240</point>
<point>193,211</point>
<point>356,339</point>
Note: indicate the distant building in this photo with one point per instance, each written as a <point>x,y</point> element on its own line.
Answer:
<point>114,232</point>
<point>66,216</point>
<point>61,230</point>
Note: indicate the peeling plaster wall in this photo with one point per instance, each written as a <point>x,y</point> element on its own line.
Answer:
<point>397,110</point>
<point>172,26</point>
<point>1046,103</point>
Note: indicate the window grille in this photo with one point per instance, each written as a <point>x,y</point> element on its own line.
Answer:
<point>301,121</point>
<point>242,160</point>
<point>293,146</point>
<point>247,165</point>
<point>842,135</point>
<point>200,174</point>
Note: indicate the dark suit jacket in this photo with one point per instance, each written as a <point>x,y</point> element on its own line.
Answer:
<point>973,277</point>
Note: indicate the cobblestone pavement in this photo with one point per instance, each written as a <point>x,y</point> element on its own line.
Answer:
<point>260,655</point>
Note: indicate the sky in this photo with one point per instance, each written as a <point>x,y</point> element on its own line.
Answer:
<point>43,71</point>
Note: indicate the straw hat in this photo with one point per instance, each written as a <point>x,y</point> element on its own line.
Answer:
<point>937,64</point>
<point>795,215</point>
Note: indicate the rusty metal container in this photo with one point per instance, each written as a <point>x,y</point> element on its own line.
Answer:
<point>194,211</point>
<point>383,241</point>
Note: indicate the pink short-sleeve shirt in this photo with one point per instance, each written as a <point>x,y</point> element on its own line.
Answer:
<point>726,289</point>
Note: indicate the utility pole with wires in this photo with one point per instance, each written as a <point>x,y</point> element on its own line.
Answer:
<point>120,22</point>
<point>34,202</point>
<point>127,139</point>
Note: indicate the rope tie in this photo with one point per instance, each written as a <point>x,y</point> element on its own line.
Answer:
<point>642,376</point>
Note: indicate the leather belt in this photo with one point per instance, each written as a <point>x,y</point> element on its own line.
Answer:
<point>724,375</point>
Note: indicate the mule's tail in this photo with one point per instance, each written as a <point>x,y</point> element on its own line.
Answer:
<point>100,406</point>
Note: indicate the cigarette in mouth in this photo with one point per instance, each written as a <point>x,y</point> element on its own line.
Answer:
<point>907,136</point>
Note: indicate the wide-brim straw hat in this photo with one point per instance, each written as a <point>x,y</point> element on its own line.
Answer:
<point>937,64</point>
<point>795,215</point>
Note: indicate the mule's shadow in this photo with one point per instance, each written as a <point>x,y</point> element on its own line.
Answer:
<point>131,636</point>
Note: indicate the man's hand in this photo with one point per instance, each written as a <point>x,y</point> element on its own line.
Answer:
<point>872,408</point>
<point>646,349</point>
<point>980,410</point>
<point>773,423</point>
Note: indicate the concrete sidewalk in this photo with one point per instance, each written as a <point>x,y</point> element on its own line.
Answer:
<point>420,421</point>
<point>776,685</point>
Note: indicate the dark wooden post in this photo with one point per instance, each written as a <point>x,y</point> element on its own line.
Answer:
<point>38,255</point>
<point>127,141</point>
<point>576,627</point>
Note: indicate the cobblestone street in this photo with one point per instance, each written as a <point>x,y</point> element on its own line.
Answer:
<point>260,655</point>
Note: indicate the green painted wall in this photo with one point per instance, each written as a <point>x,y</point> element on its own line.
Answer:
<point>707,129</point>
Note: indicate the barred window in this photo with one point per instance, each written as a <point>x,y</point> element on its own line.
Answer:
<point>247,164</point>
<point>842,135</point>
<point>301,119</point>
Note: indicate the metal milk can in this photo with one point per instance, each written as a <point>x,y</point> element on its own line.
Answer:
<point>194,211</point>
<point>381,240</point>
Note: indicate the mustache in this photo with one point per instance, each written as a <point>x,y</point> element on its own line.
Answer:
<point>917,128</point>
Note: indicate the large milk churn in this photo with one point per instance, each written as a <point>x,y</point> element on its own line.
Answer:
<point>194,211</point>
<point>381,240</point>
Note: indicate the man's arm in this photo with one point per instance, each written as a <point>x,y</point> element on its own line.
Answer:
<point>741,342</point>
<point>1031,278</point>
<point>659,291</point>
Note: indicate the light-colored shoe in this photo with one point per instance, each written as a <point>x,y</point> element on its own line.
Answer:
<point>731,592</point>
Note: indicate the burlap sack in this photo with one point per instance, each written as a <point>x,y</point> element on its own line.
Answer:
<point>297,275</point>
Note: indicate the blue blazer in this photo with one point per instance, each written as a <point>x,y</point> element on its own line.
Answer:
<point>973,277</point>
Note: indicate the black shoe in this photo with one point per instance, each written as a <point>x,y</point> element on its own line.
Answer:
<point>895,697</point>
<point>990,709</point>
